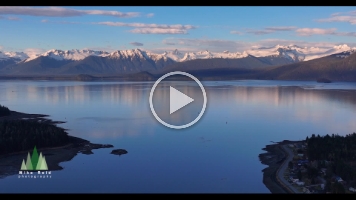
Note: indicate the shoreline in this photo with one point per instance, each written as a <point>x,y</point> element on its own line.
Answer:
<point>276,159</point>
<point>10,163</point>
<point>32,117</point>
<point>145,76</point>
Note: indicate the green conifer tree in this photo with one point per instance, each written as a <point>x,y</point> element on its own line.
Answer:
<point>23,165</point>
<point>34,158</point>
<point>28,162</point>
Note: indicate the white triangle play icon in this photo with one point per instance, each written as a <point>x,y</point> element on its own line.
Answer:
<point>177,100</point>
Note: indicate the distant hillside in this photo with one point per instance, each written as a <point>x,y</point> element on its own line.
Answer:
<point>116,63</point>
<point>5,63</point>
<point>336,67</point>
<point>119,62</point>
<point>40,66</point>
<point>139,65</point>
<point>214,64</point>
<point>113,65</point>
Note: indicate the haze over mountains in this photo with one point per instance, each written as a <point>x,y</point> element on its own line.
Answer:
<point>276,60</point>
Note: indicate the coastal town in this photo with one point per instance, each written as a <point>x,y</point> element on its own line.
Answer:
<point>299,173</point>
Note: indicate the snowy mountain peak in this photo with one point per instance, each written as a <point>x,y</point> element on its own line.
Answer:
<point>345,54</point>
<point>297,53</point>
<point>129,54</point>
<point>176,52</point>
<point>292,52</point>
<point>344,47</point>
<point>16,56</point>
<point>73,54</point>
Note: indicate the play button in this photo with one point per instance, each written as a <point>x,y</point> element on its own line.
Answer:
<point>186,103</point>
<point>177,100</point>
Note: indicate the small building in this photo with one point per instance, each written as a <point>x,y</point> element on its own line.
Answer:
<point>300,183</point>
<point>293,179</point>
<point>338,179</point>
<point>302,162</point>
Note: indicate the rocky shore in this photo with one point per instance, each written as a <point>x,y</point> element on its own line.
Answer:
<point>31,117</point>
<point>274,158</point>
<point>10,164</point>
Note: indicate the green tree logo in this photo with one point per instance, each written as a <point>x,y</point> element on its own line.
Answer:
<point>34,162</point>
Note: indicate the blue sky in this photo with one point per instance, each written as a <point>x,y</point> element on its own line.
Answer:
<point>160,28</point>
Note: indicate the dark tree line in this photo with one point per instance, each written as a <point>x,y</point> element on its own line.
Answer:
<point>340,151</point>
<point>4,111</point>
<point>332,147</point>
<point>337,188</point>
<point>21,135</point>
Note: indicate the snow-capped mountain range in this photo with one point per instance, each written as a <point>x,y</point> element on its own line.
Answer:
<point>74,62</point>
<point>291,52</point>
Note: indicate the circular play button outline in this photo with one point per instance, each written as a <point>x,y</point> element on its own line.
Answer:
<point>170,125</point>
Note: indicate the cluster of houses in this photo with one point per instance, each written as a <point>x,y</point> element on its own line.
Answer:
<point>314,189</point>
<point>296,181</point>
<point>298,165</point>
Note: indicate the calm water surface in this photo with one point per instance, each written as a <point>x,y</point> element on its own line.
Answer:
<point>219,154</point>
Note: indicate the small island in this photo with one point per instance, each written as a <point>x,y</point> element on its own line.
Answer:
<point>119,152</point>
<point>315,165</point>
<point>21,132</point>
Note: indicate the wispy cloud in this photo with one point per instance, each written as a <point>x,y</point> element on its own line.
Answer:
<point>59,22</point>
<point>267,30</point>
<point>260,32</point>
<point>139,28</point>
<point>349,34</point>
<point>348,17</point>
<point>215,45</point>
<point>10,18</point>
<point>150,15</point>
<point>319,31</point>
<point>168,43</point>
<point>136,43</point>
<point>13,18</point>
<point>209,44</point>
<point>158,31</point>
<point>281,28</point>
<point>236,32</point>
<point>61,12</point>
<point>335,14</point>
<point>142,25</point>
<point>353,12</point>
<point>152,28</point>
<point>315,31</point>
